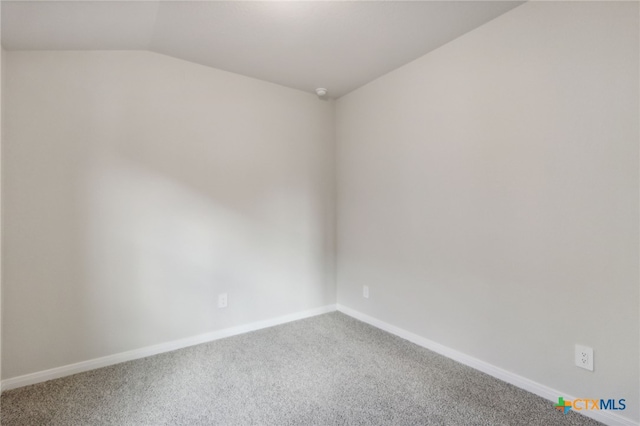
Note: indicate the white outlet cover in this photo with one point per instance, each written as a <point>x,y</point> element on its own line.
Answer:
<point>222,300</point>
<point>584,357</point>
<point>365,291</point>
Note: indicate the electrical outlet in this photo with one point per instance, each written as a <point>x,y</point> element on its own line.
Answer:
<point>584,357</point>
<point>365,291</point>
<point>222,300</point>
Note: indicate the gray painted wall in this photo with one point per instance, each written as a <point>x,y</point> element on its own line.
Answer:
<point>488,196</point>
<point>2,74</point>
<point>138,187</point>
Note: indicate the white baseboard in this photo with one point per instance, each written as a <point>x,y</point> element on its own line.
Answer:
<point>67,370</point>
<point>606,417</point>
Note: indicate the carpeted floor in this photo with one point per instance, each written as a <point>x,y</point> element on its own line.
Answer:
<point>326,370</point>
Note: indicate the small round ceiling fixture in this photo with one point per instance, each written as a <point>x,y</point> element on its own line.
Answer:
<point>321,91</point>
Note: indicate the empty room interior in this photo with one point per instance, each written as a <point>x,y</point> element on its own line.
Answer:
<point>320,213</point>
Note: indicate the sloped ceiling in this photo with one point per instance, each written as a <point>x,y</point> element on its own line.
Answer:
<point>303,45</point>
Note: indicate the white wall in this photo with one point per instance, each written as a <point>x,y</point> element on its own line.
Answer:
<point>137,187</point>
<point>488,196</point>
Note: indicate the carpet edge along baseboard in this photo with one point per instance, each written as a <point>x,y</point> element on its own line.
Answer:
<point>541,390</point>
<point>92,364</point>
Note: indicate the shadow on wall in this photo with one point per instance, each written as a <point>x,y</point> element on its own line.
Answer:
<point>139,187</point>
<point>159,253</point>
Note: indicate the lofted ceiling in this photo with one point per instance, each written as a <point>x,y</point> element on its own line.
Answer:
<point>339,45</point>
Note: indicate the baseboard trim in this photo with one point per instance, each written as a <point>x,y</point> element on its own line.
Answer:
<point>67,370</point>
<point>606,417</point>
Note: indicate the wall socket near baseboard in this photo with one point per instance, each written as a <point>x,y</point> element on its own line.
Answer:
<point>365,291</point>
<point>584,357</point>
<point>222,300</point>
